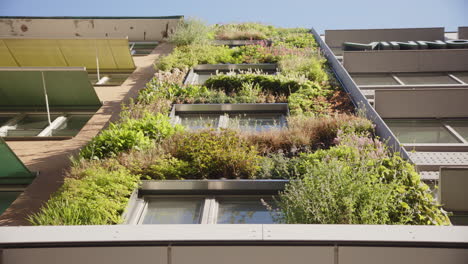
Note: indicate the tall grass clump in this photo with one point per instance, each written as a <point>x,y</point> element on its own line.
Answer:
<point>190,31</point>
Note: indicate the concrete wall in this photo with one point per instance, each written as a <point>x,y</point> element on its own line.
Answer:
<point>413,103</point>
<point>136,29</point>
<point>406,60</point>
<point>463,32</point>
<point>452,188</point>
<point>236,254</point>
<point>335,38</point>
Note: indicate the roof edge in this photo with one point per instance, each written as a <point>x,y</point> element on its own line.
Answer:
<point>89,17</point>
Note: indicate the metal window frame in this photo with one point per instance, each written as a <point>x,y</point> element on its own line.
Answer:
<point>224,109</point>
<point>402,84</point>
<point>192,75</point>
<point>45,133</point>
<point>209,190</point>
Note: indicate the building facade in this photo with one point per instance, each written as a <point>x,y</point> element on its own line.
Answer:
<point>415,97</point>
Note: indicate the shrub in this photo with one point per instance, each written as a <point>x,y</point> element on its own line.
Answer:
<point>185,57</point>
<point>311,67</point>
<point>244,31</point>
<point>129,134</point>
<point>276,84</point>
<point>297,40</point>
<point>190,31</point>
<point>308,133</point>
<point>357,185</point>
<point>98,196</point>
<point>215,155</point>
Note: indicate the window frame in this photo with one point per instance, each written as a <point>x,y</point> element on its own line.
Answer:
<point>223,111</point>
<point>208,190</point>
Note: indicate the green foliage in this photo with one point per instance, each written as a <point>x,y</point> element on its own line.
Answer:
<point>185,57</point>
<point>297,40</point>
<point>312,67</point>
<point>358,184</point>
<point>98,197</point>
<point>129,134</point>
<point>277,84</point>
<point>215,155</point>
<point>190,31</point>
<point>244,31</point>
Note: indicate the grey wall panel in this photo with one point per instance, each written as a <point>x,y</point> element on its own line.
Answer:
<point>135,29</point>
<point>406,60</point>
<point>88,255</point>
<point>463,32</point>
<point>399,103</point>
<point>389,255</point>
<point>253,254</point>
<point>335,38</point>
<point>452,188</point>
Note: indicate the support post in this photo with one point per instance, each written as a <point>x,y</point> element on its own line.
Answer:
<point>46,97</point>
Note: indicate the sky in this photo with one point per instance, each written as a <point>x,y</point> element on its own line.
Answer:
<point>323,14</point>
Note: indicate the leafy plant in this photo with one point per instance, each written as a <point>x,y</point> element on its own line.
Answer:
<point>96,197</point>
<point>129,134</point>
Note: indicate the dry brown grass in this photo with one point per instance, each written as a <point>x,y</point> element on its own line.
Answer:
<point>305,133</point>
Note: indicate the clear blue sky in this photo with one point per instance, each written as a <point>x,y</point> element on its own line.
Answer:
<point>323,14</point>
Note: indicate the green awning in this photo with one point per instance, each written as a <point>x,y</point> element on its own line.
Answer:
<point>12,170</point>
<point>113,54</point>
<point>21,89</point>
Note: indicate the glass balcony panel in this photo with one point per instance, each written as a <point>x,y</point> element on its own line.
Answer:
<point>244,211</point>
<point>462,76</point>
<point>72,126</point>
<point>174,211</point>
<point>4,119</point>
<point>425,78</point>
<point>30,126</point>
<point>374,79</point>
<point>461,126</point>
<point>420,131</point>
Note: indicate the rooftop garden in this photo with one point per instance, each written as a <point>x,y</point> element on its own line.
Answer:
<point>339,172</point>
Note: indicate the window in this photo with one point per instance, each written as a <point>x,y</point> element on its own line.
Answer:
<point>206,210</point>
<point>37,124</point>
<point>200,73</point>
<point>425,78</point>
<point>410,131</point>
<point>204,202</point>
<point>374,79</point>
<point>252,117</point>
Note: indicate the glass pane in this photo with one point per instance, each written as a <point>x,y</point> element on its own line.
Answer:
<point>420,131</point>
<point>461,126</point>
<point>72,126</point>
<point>174,211</point>
<point>30,125</point>
<point>425,78</point>
<point>199,121</point>
<point>462,76</point>
<point>459,219</point>
<point>203,76</point>
<point>6,198</point>
<point>244,211</point>
<point>256,122</point>
<point>374,79</point>
<point>4,119</point>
